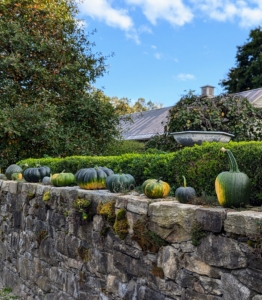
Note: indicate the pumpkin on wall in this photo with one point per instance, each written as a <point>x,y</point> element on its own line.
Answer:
<point>93,178</point>
<point>155,188</point>
<point>36,174</point>
<point>63,179</point>
<point>14,168</point>
<point>185,194</point>
<point>232,187</point>
<point>120,182</point>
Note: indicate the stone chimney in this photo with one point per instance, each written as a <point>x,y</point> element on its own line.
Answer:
<point>207,91</point>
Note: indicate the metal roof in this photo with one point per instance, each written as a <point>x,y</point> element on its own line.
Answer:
<point>252,95</point>
<point>149,123</point>
<point>144,125</point>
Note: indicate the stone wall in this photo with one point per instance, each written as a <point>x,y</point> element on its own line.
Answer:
<point>54,245</point>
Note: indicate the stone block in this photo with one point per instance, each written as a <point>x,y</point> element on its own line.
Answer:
<point>211,219</point>
<point>243,222</point>
<point>220,251</point>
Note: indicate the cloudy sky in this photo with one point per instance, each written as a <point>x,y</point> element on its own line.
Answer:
<point>164,48</point>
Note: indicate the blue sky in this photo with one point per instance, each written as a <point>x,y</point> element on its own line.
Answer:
<point>164,48</point>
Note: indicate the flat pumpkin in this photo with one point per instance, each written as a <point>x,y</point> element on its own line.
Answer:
<point>36,174</point>
<point>185,194</point>
<point>93,178</point>
<point>155,188</point>
<point>116,183</point>
<point>232,187</point>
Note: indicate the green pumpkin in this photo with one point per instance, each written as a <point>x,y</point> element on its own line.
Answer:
<point>36,174</point>
<point>233,188</point>
<point>63,179</point>
<point>93,178</point>
<point>116,183</point>
<point>185,194</point>
<point>155,188</point>
<point>46,180</point>
<point>17,176</point>
<point>12,169</point>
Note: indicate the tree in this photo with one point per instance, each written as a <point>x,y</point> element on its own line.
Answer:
<point>123,106</point>
<point>229,113</point>
<point>248,71</point>
<point>47,68</point>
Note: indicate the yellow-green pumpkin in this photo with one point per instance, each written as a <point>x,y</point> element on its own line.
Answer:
<point>63,179</point>
<point>155,188</point>
<point>232,187</point>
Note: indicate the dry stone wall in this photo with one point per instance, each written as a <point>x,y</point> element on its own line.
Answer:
<point>124,247</point>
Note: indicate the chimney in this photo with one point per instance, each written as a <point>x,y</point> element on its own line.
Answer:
<point>207,91</point>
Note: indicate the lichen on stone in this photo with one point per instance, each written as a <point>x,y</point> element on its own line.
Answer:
<point>157,271</point>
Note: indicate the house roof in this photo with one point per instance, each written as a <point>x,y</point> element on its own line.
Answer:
<point>254,96</point>
<point>144,125</point>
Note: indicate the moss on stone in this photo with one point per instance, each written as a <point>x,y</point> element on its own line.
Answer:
<point>107,210</point>
<point>121,224</point>
<point>83,253</point>
<point>157,271</point>
<point>147,239</point>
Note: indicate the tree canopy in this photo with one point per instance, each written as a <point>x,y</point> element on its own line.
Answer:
<point>124,106</point>
<point>47,69</point>
<point>247,74</point>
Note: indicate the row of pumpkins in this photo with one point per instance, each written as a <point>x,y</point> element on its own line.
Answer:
<point>232,187</point>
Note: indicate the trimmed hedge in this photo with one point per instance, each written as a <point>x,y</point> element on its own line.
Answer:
<point>199,164</point>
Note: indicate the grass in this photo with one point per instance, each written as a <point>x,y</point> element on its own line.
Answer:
<point>6,294</point>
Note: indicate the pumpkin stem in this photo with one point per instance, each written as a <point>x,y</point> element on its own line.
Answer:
<point>184,180</point>
<point>159,179</point>
<point>232,161</point>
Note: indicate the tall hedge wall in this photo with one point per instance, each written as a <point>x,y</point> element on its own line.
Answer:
<point>199,164</point>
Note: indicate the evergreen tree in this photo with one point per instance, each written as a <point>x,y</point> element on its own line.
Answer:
<point>248,71</point>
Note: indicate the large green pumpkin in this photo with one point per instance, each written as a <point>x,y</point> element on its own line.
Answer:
<point>155,188</point>
<point>116,183</point>
<point>36,174</point>
<point>185,194</point>
<point>233,187</point>
<point>63,179</point>
<point>12,169</point>
<point>93,178</point>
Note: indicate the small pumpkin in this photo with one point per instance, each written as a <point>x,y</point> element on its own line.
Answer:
<point>17,176</point>
<point>12,169</point>
<point>93,178</point>
<point>155,188</point>
<point>116,183</point>
<point>185,194</point>
<point>232,187</point>
<point>46,180</point>
<point>63,179</point>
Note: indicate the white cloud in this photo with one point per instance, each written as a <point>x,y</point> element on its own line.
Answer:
<point>247,12</point>
<point>172,11</point>
<point>184,77</point>
<point>103,11</point>
<point>153,47</point>
<point>158,55</point>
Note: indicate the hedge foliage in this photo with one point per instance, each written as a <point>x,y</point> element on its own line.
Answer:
<point>199,164</point>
